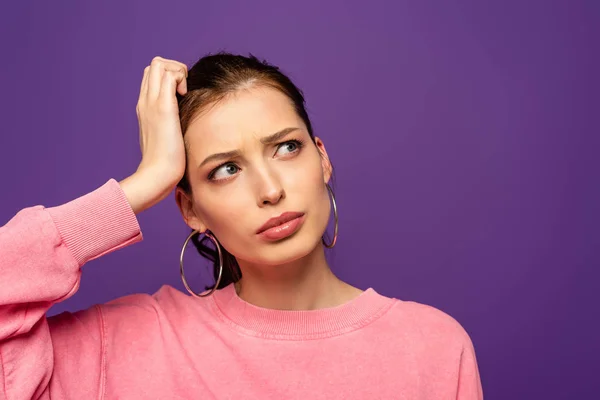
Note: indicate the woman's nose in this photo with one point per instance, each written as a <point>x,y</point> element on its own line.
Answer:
<point>272,196</point>
<point>270,189</point>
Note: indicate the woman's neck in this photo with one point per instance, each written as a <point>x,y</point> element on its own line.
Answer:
<point>304,284</point>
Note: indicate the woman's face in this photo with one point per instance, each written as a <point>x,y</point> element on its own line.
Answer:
<point>271,167</point>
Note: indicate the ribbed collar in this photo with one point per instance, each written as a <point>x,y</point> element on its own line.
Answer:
<point>298,324</point>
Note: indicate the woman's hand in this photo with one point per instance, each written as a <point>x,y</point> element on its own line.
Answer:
<point>161,140</point>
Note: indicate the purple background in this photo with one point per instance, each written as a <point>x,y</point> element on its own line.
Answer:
<point>464,136</point>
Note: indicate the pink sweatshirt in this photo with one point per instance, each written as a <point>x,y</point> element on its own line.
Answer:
<point>170,345</point>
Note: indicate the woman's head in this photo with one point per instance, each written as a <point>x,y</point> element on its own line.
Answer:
<point>251,156</point>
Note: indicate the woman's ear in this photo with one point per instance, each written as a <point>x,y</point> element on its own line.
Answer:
<point>325,163</point>
<point>185,203</point>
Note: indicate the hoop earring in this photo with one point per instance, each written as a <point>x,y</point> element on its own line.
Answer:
<point>335,214</point>
<point>211,237</point>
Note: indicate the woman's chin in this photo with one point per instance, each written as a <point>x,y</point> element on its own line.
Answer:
<point>286,250</point>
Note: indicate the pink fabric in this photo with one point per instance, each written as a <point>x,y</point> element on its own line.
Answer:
<point>173,346</point>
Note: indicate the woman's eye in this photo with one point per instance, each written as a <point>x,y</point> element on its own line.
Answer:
<point>224,172</point>
<point>288,147</point>
<point>229,169</point>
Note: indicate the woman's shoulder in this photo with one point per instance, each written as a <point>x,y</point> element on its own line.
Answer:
<point>164,307</point>
<point>166,299</point>
<point>426,321</point>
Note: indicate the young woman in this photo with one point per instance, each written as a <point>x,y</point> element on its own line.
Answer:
<point>233,139</point>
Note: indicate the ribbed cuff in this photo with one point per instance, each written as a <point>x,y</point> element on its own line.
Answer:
<point>97,223</point>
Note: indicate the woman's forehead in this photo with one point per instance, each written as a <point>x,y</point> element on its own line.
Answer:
<point>247,115</point>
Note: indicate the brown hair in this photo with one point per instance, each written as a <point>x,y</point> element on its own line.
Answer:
<point>211,79</point>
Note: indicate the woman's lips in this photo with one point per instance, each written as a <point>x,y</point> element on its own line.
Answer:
<point>278,220</point>
<point>283,230</point>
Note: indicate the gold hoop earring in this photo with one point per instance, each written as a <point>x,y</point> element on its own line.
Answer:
<point>218,247</point>
<point>335,214</point>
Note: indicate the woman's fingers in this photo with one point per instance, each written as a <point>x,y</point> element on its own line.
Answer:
<point>157,71</point>
<point>171,81</point>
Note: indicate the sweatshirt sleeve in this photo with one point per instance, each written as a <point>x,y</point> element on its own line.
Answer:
<point>41,253</point>
<point>469,381</point>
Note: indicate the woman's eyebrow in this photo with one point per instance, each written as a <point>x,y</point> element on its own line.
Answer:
<point>277,136</point>
<point>274,138</point>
